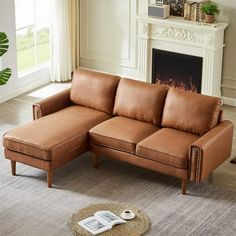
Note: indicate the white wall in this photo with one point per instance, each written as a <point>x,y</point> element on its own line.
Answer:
<point>15,85</point>
<point>108,36</point>
<point>228,14</point>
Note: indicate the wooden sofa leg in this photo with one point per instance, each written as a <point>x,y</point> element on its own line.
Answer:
<point>49,178</point>
<point>13,167</point>
<point>184,186</point>
<point>95,160</point>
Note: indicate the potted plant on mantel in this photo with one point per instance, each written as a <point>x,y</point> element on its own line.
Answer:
<point>210,9</point>
<point>5,74</point>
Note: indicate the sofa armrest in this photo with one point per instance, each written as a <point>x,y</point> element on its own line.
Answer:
<point>210,150</point>
<point>51,104</point>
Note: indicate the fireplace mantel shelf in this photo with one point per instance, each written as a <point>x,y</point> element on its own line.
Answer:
<point>180,22</point>
<point>175,34</point>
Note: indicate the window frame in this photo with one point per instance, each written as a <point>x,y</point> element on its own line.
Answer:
<point>41,70</point>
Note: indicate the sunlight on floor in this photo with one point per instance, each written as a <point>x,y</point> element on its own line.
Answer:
<point>50,89</point>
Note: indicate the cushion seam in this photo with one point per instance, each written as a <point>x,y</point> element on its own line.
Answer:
<point>162,163</point>
<point>113,138</point>
<point>47,149</point>
<point>25,143</point>
<point>141,157</point>
<point>117,149</point>
<point>177,158</point>
<point>60,144</point>
<point>161,152</point>
<point>168,164</point>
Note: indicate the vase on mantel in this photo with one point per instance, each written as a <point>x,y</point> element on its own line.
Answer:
<point>210,18</point>
<point>210,9</point>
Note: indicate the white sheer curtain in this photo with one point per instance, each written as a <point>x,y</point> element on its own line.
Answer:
<point>65,39</point>
<point>74,31</point>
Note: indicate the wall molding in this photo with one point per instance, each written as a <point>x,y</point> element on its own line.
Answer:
<point>117,60</point>
<point>228,82</point>
<point>228,78</point>
<point>228,88</point>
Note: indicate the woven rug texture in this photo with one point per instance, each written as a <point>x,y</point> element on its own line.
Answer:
<point>28,207</point>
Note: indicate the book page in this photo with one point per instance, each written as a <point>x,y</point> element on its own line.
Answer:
<point>108,218</point>
<point>93,225</point>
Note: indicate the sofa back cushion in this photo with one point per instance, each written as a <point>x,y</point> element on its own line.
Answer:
<point>139,100</point>
<point>191,112</point>
<point>94,90</point>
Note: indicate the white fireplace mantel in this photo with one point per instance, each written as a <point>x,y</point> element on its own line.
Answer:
<point>192,38</point>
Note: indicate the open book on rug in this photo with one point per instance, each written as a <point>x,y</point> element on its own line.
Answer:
<point>100,222</point>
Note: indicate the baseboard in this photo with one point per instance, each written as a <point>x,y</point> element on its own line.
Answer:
<point>229,101</point>
<point>24,89</point>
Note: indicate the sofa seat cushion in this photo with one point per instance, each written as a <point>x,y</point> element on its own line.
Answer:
<point>59,132</point>
<point>121,133</point>
<point>168,146</point>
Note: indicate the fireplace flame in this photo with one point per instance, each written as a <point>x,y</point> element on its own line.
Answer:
<point>172,82</point>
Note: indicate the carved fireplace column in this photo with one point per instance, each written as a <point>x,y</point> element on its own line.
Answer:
<point>143,51</point>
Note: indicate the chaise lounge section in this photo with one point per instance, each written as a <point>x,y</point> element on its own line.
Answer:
<point>175,132</point>
<point>59,132</point>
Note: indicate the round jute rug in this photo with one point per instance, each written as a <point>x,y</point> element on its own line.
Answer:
<point>135,227</point>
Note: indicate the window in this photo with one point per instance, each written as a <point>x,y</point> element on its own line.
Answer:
<point>32,34</point>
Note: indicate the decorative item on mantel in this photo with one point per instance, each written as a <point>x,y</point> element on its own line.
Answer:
<point>210,9</point>
<point>200,11</point>
<point>158,9</point>
<point>193,10</point>
<point>176,7</point>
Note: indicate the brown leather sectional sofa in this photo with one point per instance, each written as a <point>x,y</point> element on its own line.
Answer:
<point>167,130</point>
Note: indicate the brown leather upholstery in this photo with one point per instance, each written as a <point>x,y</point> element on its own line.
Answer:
<point>168,146</point>
<point>140,101</point>
<point>45,164</point>
<point>94,90</point>
<point>190,112</point>
<point>139,161</point>
<point>121,133</point>
<point>48,137</point>
<point>51,104</point>
<point>66,129</point>
<point>212,149</point>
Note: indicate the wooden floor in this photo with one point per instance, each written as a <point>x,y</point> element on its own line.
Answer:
<point>19,111</point>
